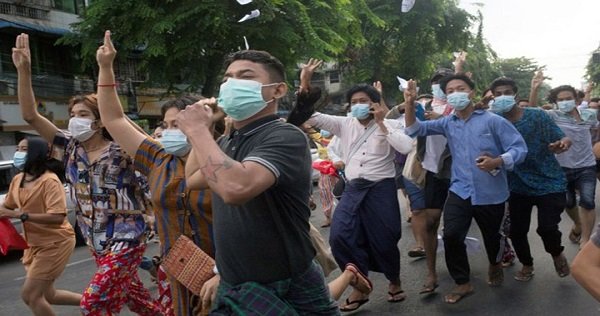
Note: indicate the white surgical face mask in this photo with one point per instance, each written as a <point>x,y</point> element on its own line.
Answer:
<point>81,128</point>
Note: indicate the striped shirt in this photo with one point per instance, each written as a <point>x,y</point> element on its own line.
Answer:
<point>172,201</point>
<point>580,154</point>
<point>109,196</point>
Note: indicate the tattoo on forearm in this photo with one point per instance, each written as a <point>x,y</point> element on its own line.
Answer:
<point>211,167</point>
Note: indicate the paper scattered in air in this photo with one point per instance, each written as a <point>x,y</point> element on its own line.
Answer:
<point>253,14</point>
<point>243,2</point>
<point>403,83</point>
<point>246,42</point>
<point>407,5</point>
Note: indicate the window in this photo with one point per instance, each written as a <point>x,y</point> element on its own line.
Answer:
<point>334,77</point>
<point>71,6</point>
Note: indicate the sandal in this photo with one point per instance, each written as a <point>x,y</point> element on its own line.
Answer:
<point>428,288</point>
<point>524,276</point>
<point>561,266</point>
<point>394,298</point>
<point>359,303</point>
<point>361,282</point>
<point>417,252</point>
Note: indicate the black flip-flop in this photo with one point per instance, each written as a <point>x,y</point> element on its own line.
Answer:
<point>348,302</point>
<point>427,288</point>
<point>393,295</point>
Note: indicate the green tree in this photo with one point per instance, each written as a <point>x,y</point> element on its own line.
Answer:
<point>185,41</point>
<point>481,59</point>
<point>593,72</point>
<point>411,45</point>
<point>521,70</point>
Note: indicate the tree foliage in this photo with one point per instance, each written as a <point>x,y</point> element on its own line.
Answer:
<point>186,41</point>
<point>593,72</point>
<point>522,70</point>
<point>411,45</point>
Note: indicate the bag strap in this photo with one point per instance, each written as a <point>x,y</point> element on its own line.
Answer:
<point>356,145</point>
<point>186,212</point>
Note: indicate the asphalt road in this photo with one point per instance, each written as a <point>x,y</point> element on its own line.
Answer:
<point>546,294</point>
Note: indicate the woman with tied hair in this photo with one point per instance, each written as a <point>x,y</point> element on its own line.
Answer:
<point>37,197</point>
<point>109,196</point>
<point>178,210</point>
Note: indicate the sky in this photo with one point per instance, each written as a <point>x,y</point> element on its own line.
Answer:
<point>560,34</point>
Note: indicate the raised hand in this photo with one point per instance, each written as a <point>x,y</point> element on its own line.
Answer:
<point>537,80</point>
<point>377,85</point>
<point>410,93</point>
<point>307,72</point>
<point>460,60</point>
<point>105,55</point>
<point>589,87</point>
<point>21,55</point>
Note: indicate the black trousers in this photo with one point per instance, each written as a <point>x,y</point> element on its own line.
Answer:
<point>458,214</point>
<point>549,206</point>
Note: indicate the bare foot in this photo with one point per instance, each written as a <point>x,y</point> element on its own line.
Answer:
<point>495,275</point>
<point>458,293</point>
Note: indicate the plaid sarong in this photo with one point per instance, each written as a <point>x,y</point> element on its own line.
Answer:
<point>306,294</point>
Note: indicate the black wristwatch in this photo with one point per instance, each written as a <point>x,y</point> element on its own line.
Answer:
<point>24,217</point>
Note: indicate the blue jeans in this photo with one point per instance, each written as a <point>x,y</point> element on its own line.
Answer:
<point>584,181</point>
<point>416,195</point>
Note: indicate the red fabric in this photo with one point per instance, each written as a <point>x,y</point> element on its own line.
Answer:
<point>325,167</point>
<point>10,239</point>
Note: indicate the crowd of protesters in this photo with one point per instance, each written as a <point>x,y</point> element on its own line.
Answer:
<point>235,178</point>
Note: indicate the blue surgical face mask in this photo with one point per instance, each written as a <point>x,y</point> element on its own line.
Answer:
<point>503,103</point>
<point>240,99</point>
<point>360,111</point>
<point>459,100</point>
<point>175,142</point>
<point>325,133</point>
<point>19,159</point>
<point>437,92</point>
<point>566,106</point>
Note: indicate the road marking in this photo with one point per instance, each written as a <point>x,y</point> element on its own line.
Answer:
<point>68,265</point>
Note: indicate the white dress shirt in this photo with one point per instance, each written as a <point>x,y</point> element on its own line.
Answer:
<point>374,159</point>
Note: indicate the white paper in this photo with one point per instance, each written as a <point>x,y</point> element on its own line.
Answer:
<point>403,83</point>
<point>246,43</point>
<point>244,2</point>
<point>407,5</point>
<point>253,14</point>
<point>473,245</point>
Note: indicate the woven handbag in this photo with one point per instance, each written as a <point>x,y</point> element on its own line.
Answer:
<point>187,263</point>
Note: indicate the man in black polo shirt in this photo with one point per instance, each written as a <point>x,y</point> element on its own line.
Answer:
<point>260,177</point>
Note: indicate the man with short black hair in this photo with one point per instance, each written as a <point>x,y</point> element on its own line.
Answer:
<point>366,225</point>
<point>539,181</point>
<point>483,147</point>
<point>260,176</point>
<point>579,163</point>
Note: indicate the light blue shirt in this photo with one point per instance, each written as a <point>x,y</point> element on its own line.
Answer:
<point>481,133</point>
